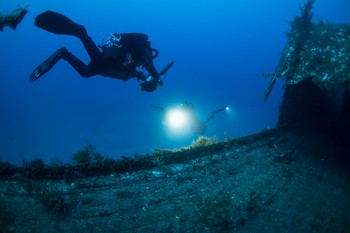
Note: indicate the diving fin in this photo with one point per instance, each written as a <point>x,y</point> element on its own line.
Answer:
<point>59,24</point>
<point>47,64</point>
<point>166,68</point>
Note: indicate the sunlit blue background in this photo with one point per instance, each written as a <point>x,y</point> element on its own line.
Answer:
<point>220,49</point>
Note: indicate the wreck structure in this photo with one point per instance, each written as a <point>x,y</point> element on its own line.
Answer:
<point>315,64</point>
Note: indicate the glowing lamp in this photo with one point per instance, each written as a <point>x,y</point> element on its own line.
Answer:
<point>177,120</point>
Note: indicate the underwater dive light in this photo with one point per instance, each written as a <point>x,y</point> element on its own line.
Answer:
<point>182,120</point>
<point>177,119</point>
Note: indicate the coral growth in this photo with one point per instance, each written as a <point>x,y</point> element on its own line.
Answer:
<point>13,19</point>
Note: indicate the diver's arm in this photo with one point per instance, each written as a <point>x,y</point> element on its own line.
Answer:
<point>214,113</point>
<point>159,108</point>
<point>150,67</point>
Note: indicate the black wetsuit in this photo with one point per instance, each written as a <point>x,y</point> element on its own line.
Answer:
<point>116,61</point>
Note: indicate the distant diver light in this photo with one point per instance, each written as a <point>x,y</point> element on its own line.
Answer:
<point>176,119</point>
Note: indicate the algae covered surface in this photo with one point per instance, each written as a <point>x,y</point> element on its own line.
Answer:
<point>319,51</point>
<point>324,57</point>
<point>274,181</point>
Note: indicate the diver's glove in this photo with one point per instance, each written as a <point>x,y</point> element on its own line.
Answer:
<point>150,84</point>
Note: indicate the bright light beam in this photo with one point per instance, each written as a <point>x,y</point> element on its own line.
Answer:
<point>177,120</point>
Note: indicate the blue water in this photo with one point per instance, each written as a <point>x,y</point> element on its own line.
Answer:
<point>220,49</point>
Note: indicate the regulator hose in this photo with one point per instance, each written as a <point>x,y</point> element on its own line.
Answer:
<point>156,53</point>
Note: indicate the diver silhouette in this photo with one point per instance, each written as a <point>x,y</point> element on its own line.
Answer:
<point>123,55</point>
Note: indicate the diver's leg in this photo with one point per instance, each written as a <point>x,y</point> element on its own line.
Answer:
<point>63,53</point>
<point>90,47</point>
<point>85,71</point>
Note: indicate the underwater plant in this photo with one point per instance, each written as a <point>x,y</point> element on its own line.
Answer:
<point>51,197</point>
<point>87,155</point>
<point>34,169</point>
<point>202,141</point>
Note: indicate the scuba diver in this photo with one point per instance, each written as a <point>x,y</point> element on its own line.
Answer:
<point>197,127</point>
<point>123,56</point>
